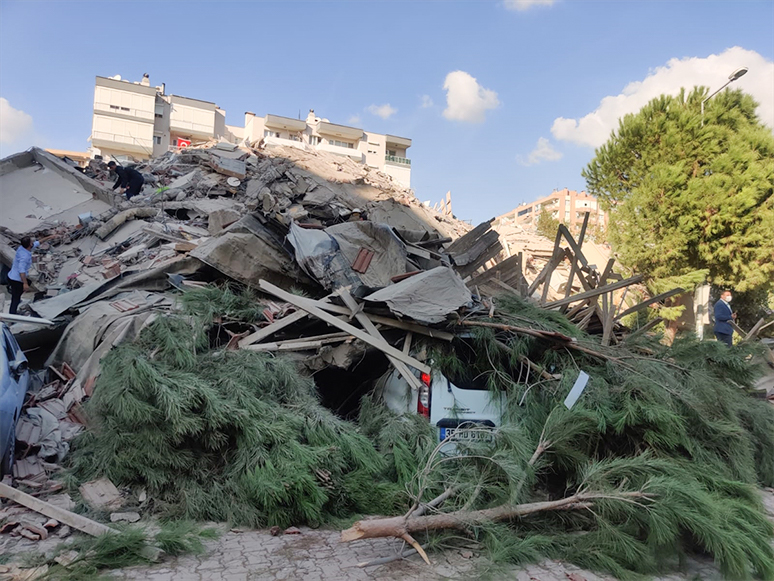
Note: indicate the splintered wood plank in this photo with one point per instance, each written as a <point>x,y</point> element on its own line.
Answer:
<point>313,308</point>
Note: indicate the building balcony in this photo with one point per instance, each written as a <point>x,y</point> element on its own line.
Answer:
<point>397,160</point>
<point>113,141</point>
<point>281,141</point>
<point>355,154</point>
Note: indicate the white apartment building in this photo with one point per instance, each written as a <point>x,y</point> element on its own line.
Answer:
<point>136,120</point>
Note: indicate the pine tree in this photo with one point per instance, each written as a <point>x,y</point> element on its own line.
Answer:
<point>546,224</point>
<point>687,193</point>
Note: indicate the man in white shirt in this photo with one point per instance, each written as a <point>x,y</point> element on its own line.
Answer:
<point>17,277</point>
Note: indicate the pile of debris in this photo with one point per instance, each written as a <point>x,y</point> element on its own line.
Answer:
<point>249,214</point>
<point>52,417</point>
<point>206,322</point>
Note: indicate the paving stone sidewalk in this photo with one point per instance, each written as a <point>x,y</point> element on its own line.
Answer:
<point>317,555</point>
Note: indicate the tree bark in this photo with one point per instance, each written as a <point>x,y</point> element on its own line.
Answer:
<point>400,526</point>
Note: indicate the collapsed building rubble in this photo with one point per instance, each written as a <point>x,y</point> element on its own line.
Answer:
<point>348,265</point>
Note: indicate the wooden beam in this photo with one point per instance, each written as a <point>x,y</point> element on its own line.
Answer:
<point>549,267</point>
<point>71,519</point>
<point>521,281</point>
<point>501,268</point>
<point>643,304</point>
<point>756,328</point>
<point>371,329</point>
<point>489,254</point>
<point>608,321</point>
<point>576,309</point>
<point>313,308</point>
<point>574,268</point>
<point>646,327</point>
<point>595,292</point>
<point>278,325</point>
<point>573,244</point>
<point>505,286</point>
<point>413,327</point>
<point>465,242</point>
<point>310,343</point>
<point>477,249</point>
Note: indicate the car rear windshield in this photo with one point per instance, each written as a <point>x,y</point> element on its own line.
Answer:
<point>466,378</point>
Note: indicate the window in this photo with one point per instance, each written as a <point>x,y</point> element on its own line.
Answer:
<point>314,139</point>
<point>124,108</point>
<point>392,153</point>
<point>338,143</point>
<point>295,138</point>
<point>10,348</point>
<point>114,107</point>
<point>268,133</point>
<point>157,139</point>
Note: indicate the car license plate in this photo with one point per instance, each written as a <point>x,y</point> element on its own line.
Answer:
<point>467,434</point>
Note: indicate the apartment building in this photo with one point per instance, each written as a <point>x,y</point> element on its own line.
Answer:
<point>567,206</point>
<point>387,153</point>
<point>137,120</point>
<point>140,121</point>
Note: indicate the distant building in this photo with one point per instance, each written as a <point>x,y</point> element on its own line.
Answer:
<point>567,206</point>
<point>137,120</point>
<point>387,153</point>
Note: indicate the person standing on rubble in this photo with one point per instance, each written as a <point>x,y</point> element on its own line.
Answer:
<point>17,277</point>
<point>723,316</point>
<point>129,180</point>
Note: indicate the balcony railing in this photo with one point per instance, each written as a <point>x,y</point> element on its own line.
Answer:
<point>396,159</point>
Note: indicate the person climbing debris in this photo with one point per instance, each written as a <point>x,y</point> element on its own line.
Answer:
<point>129,180</point>
<point>17,277</point>
<point>723,316</point>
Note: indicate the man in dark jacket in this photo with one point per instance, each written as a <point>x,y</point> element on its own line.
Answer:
<point>129,180</point>
<point>723,316</point>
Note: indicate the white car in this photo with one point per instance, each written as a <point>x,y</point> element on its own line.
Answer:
<point>451,405</point>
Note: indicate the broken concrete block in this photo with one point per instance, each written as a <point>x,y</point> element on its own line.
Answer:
<point>66,558</point>
<point>124,517</point>
<point>253,188</point>
<point>282,189</point>
<point>101,493</point>
<point>229,167</point>
<point>220,219</point>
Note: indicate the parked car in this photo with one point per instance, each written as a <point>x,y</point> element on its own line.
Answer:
<point>14,380</point>
<point>451,404</point>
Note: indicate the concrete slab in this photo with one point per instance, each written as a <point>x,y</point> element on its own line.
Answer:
<point>35,196</point>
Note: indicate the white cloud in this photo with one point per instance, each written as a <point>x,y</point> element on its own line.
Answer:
<point>522,5</point>
<point>15,125</point>
<point>466,100</point>
<point>543,151</point>
<point>594,128</point>
<point>427,101</point>
<point>384,111</point>
<point>354,120</point>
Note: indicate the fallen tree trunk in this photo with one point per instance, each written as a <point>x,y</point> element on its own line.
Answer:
<point>401,527</point>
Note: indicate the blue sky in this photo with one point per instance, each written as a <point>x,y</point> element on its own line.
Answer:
<point>487,90</point>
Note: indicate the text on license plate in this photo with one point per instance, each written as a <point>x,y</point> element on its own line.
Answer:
<point>466,435</point>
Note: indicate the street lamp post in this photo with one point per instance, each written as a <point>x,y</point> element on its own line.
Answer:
<point>737,74</point>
